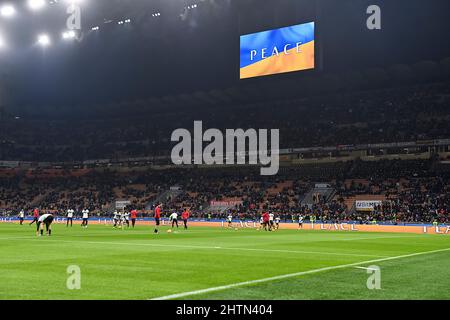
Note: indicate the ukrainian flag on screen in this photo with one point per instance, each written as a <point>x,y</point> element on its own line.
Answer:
<point>277,51</point>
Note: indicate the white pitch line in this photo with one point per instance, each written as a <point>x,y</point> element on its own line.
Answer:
<point>290,275</point>
<point>306,252</point>
<point>225,248</point>
<point>364,268</point>
<point>375,238</point>
<point>216,248</point>
<point>189,232</point>
<point>201,247</point>
<point>112,234</point>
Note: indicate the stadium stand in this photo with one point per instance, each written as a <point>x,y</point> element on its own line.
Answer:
<point>388,144</point>
<point>417,193</point>
<point>411,113</point>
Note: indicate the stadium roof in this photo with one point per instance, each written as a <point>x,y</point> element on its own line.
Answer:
<point>184,50</point>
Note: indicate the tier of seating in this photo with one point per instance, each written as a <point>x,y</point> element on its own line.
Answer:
<point>411,191</point>
<point>411,113</point>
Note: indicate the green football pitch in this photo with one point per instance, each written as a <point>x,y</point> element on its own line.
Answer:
<point>215,263</point>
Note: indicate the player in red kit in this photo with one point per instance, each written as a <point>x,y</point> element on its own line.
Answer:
<point>35,216</point>
<point>266,217</point>
<point>157,216</point>
<point>133,215</point>
<point>185,216</point>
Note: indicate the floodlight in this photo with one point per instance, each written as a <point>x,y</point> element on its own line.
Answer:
<point>44,40</point>
<point>69,34</point>
<point>7,11</point>
<point>36,4</point>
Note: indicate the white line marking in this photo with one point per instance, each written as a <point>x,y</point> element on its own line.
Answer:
<point>223,248</point>
<point>306,252</point>
<point>189,232</point>
<point>112,234</point>
<point>208,248</point>
<point>290,275</point>
<point>364,268</point>
<point>370,238</point>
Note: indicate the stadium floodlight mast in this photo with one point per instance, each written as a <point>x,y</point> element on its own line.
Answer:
<point>44,40</point>
<point>7,11</point>
<point>36,4</point>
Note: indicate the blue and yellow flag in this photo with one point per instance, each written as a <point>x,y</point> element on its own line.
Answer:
<point>277,51</point>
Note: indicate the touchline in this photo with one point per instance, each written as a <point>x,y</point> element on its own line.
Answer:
<point>234,143</point>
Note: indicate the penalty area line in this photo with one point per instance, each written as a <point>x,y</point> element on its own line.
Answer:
<point>290,275</point>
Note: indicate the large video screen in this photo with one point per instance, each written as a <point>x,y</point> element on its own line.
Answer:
<point>277,51</point>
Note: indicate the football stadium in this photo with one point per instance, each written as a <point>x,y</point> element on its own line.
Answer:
<point>224,150</point>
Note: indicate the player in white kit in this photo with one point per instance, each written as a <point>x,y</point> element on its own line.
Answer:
<point>300,221</point>
<point>271,223</point>
<point>126,218</point>
<point>174,219</point>
<point>45,219</point>
<point>277,223</point>
<point>230,220</point>
<point>85,217</point>
<point>116,219</point>
<point>21,216</point>
<point>70,213</point>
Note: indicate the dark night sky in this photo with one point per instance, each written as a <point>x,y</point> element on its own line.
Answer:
<point>159,56</point>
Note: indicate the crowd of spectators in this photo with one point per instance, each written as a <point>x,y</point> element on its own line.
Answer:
<point>408,113</point>
<point>411,191</point>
